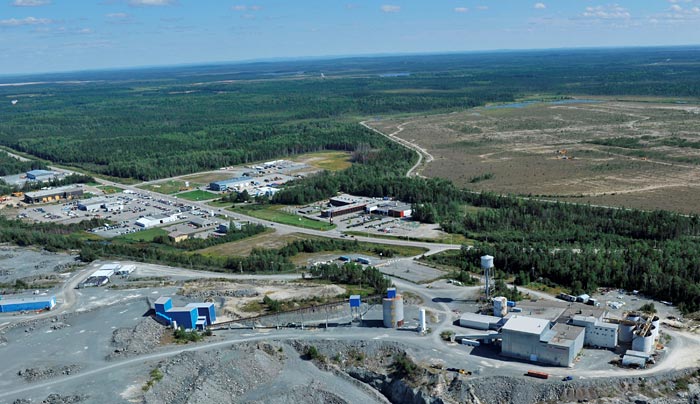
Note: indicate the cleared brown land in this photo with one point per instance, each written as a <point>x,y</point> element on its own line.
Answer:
<point>242,248</point>
<point>620,153</point>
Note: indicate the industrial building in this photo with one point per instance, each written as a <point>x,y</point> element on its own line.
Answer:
<point>392,309</point>
<point>233,183</point>
<point>53,195</point>
<point>30,303</point>
<point>177,236</point>
<point>480,321</point>
<point>151,221</point>
<point>91,205</point>
<point>190,317</point>
<point>344,209</point>
<point>102,275</point>
<point>201,222</point>
<point>40,175</point>
<point>392,209</point>
<point>535,340</point>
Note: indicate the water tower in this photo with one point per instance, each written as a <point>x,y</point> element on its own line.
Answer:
<point>486,265</point>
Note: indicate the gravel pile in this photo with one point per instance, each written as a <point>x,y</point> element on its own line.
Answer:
<point>220,376</point>
<point>312,394</point>
<point>40,373</point>
<point>59,399</point>
<point>204,294</point>
<point>639,390</point>
<point>139,340</point>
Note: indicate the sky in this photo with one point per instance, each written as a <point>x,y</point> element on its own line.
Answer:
<point>67,35</point>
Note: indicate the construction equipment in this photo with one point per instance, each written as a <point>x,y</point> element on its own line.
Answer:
<point>18,194</point>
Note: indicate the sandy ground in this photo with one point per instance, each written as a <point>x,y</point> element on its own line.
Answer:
<point>551,151</point>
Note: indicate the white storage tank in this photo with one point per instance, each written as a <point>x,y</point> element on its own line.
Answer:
<point>500,306</point>
<point>486,262</point>
<point>656,323</point>
<point>421,320</point>
<point>626,331</point>
<point>393,311</point>
<point>643,343</point>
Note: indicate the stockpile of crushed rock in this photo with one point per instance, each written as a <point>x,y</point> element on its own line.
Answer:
<point>219,376</point>
<point>138,340</point>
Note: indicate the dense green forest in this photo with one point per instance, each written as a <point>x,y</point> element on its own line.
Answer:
<point>156,123</point>
<point>10,165</point>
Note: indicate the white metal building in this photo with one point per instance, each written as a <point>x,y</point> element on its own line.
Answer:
<point>598,333</point>
<point>480,321</point>
<point>535,340</point>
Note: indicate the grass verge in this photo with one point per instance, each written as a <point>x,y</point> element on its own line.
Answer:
<point>274,213</point>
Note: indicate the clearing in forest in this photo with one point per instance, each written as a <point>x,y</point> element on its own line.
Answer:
<point>619,153</point>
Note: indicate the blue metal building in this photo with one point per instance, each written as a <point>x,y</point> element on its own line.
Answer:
<point>230,183</point>
<point>39,174</point>
<point>27,304</point>
<point>185,317</point>
<point>192,316</point>
<point>205,310</point>
<point>163,304</point>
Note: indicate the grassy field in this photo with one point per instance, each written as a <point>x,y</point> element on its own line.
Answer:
<point>143,236</point>
<point>219,204</point>
<point>274,213</point>
<point>166,187</point>
<point>331,161</point>
<point>108,189</point>
<point>613,153</point>
<point>197,195</point>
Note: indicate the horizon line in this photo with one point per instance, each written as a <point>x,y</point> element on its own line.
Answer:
<point>281,59</point>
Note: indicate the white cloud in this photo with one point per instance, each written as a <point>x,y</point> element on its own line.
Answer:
<point>540,6</point>
<point>389,8</point>
<point>30,3</point>
<point>676,7</point>
<point>117,15</point>
<point>482,8</point>
<point>147,3</point>
<point>610,12</point>
<point>14,22</point>
<point>461,10</point>
<point>243,7</point>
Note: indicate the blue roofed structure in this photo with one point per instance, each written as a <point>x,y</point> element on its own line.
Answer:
<point>192,316</point>
<point>39,174</point>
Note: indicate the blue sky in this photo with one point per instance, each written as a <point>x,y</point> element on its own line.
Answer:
<point>60,35</point>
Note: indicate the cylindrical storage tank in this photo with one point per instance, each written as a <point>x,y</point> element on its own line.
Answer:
<point>656,323</point>
<point>393,312</point>
<point>500,306</point>
<point>634,316</point>
<point>486,262</point>
<point>625,331</point>
<point>643,343</point>
<point>421,320</point>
